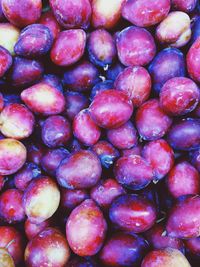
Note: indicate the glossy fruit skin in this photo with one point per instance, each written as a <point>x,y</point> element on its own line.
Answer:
<point>56,131</point>
<point>169,31</point>
<point>161,165</point>
<point>92,229</point>
<point>136,82</point>
<point>116,107</point>
<point>43,99</point>
<point>183,221</point>
<point>41,199</point>
<point>152,122</point>
<point>105,192</point>
<point>195,159</point>
<point>195,30</point>
<point>85,129</point>
<point>184,5</point>
<point>16,121</point>
<point>184,135</point>
<point>5,60</point>
<point>53,80</point>
<point>101,86</point>
<point>51,239</point>
<point>101,48</point>
<point>9,40</point>
<point>48,20</point>
<point>72,173</point>
<point>6,259</point>
<point>16,248</point>
<point>192,60</point>
<point>106,15</point>
<point>144,13</point>
<point>165,258</point>
<point>51,159</point>
<point>81,77</point>
<point>25,72</point>
<point>11,210</point>
<point>136,150</point>
<point>81,262</point>
<point>123,249</point>
<point>72,198</point>
<point>33,230</point>
<point>61,52</point>
<point>193,246</point>
<point>133,213</point>
<point>37,36</point>
<point>72,14</point>
<point>12,156</point>
<point>123,137</point>
<point>106,152</point>
<point>75,102</point>
<point>179,96</point>
<point>133,172</point>
<point>156,238</point>
<point>25,175</point>
<point>22,13</point>
<point>35,153</point>
<point>135,39</point>
<point>168,63</point>
<point>114,71</point>
<point>183,179</point>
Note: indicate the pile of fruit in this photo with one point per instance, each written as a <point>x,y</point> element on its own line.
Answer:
<point>99,133</point>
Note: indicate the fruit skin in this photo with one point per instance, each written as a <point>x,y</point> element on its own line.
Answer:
<point>33,230</point>
<point>169,31</point>
<point>62,53</point>
<point>101,48</point>
<point>165,258</point>
<point>184,5</point>
<point>25,72</point>
<point>34,41</point>
<point>133,213</point>
<point>1,102</point>
<point>85,129</point>
<point>12,156</point>
<point>192,60</point>
<point>136,82</point>
<point>105,192</point>
<point>56,131</point>
<point>133,172</point>
<point>48,20</point>
<point>16,121</point>
<point>5,60</point>
<point>144,13</point>
<point>185,134</point>
<point>72,13</point>
<point>111,108</point>
<point>183,221</point>
<point>156,238</point>
<point>81,77</point>
<point>9,40</point>
<point>183,179</point>
<point>43,99</point>
<point>41,199</point>
<point>5,258</point>
<point>167,64</point>
<point>193,246</point>
<point>72,173</point>
<point>22,12</point>
<point>92,229</point>
<point>11,209</point>
<point>13,239</point>
<point>123,249</point>
<point>152,122</point>
<point>138,40</point>
<point>179,96</point>
<point>72,198</point>
<point>106,15</point>
<point>48,248</point>
<point>195,158</point>
<point>161,165</point>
